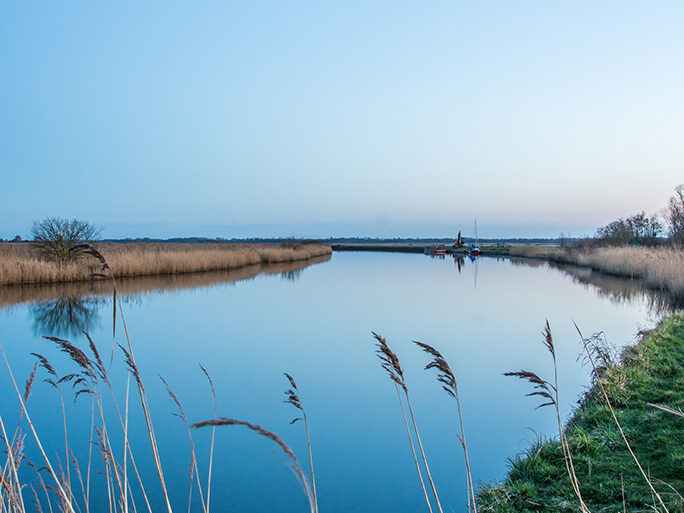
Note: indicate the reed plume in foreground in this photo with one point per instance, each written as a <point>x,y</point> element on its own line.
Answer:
<point>390,362</point>
<point>292,395</point>
<point>446,377</point>
<point>291,461</point>
<point>549,393</point>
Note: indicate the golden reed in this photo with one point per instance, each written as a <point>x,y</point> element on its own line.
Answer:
<point>21,263</point>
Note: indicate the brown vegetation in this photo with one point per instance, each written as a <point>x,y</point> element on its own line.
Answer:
<point>658,267</point>
<point>21,264</point>
<point>130,287</point>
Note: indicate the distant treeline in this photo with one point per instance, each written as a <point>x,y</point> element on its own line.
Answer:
<point>352,240</point>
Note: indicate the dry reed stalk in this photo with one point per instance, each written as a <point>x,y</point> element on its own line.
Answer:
<point>413,449</point>
<point>37,501</point>
<point>45,490</point>
<point>448,380</point>
<point>293,398</point>
<point>589,352</point>
<point>16,437</point>
<point>213,435</point>
<point>127,447</point>
<point>390,362</point>
<point>193,457</point>
<point>90,452</point>
<point>53,381</point>
<point>549,392</point>
<point>62,493</point>
<point>422,451</point>
<point>143,401</point>
<point>10,456</point>
<point>667,409</point>
<point>292,461</point>
<point>125,434</point>
<point>77,469</point>
<point>108,447</point>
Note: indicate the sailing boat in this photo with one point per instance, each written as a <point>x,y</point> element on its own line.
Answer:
<point>474,249</point>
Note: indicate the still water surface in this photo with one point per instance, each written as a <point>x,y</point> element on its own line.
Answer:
<point>249,326</point>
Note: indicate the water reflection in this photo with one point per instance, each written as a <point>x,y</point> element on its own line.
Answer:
<point>131,287</point>
<point>66,316</point>
<point>291,275</point>
<point>66,309</point>
<point>616,289</point>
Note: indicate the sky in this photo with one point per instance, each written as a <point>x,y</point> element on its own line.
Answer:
<point>316,119</point>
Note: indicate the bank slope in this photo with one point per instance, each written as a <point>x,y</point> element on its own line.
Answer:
<point>651,371</point>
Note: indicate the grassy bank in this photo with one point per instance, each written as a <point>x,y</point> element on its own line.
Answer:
<point>21,264</point>
<point>660,268</point>
<point>651,371</point>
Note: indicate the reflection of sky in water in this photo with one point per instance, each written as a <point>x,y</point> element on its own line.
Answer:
<point>486,319</point>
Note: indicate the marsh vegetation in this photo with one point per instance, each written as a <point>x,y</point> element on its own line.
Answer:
<point>25,263</point>
<point>658,267</point>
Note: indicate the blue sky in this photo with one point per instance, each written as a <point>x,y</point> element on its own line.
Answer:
<point>339,118</point>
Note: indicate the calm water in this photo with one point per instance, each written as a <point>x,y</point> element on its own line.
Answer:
<point>247,327</point>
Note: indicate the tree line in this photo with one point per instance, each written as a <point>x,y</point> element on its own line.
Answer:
<point>648,230</point>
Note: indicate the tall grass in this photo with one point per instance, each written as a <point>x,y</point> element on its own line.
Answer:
<point>658,267</point>
<point>21,264</point>
<point>390,363</point>
<point>292,395</point>
<point>548,391</point>
<point>448,380</point>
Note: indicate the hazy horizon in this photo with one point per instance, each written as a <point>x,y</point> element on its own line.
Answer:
<point>319,119</point>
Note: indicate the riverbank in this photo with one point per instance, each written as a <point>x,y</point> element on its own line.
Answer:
<point>661,268</point>
<point>20,263</point>
<point>651,371</point>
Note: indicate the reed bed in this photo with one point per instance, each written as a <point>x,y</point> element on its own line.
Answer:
<point>658,267</point>
<point>661,268</point>
<point>21,264</point>
<point>11,295</point>
<point>534,251</point>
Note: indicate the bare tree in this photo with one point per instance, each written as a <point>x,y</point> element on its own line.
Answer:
<point>675,216</point>
<point>637,229</point>
<point>63,240</point>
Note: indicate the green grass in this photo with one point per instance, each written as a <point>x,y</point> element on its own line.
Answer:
<point>651,371</point>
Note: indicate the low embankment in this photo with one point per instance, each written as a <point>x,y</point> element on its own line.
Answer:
<point>648,373</point>
<point>21,263</point>
<point>660,268</point>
